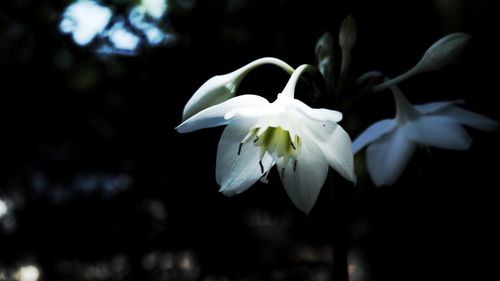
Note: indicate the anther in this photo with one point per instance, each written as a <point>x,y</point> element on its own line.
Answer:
<point>239,148</point>
<point>256,139</point>
<point>261,167</point>
<point>283,173</point>
<point>293,146</point>
<point>295,165</point>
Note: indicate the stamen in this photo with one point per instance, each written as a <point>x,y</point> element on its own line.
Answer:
<point>263,178</point>
<point>295,165</point>
<point>239,148</point>
<point>250,135</point>
<point>261,167</point>
<point>293,146</point>
<point>256,139</point>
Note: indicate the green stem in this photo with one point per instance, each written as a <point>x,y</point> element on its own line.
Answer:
<point>266,60</point>
<point>341,205</point>
<point>346,61</point>
<point>289,89</point>
<point>395,81</point>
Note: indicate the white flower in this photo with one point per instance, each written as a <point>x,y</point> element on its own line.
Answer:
<point>300,140</point>
<point>391,142</point>
<point>220,88</point>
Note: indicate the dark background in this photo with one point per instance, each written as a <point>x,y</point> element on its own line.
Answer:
<point>101,187</point>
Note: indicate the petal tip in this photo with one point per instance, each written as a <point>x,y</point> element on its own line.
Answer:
<point>354,179</point>
<point>179,128</point>
<point>226,191</point>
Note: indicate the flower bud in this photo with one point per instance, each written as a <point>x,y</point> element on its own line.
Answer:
<point>347,34</point>
<point>220,88</point>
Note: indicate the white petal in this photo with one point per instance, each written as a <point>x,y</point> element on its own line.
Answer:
<point>432,107</point>
<point>321,114</point>
<point>336,146</point>
<point>471,119</point>
<point>339,154</point>
<point>316,114</point>
<point>214,116</point>
<point>304,183</point>
<point>387,158</point>
<point>255,111</point>
<point>373,133</point>
<point>236,173</point>
<point>438,131</point>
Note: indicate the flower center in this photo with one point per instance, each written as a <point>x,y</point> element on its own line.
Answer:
<point>274,140</point>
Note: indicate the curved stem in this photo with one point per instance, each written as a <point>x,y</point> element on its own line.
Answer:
<point>344,71</point>
<point>341,203</point>
<point>346,61</point>
<point>394,81</point>
<point>289,89</point>
<point>367,76</point>
<point>404,110</point>
<point>266,60</point>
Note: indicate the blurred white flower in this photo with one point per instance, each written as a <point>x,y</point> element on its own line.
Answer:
<point>3,208</point>
<point>85,19</point>
<point>391,142</point>
<point>122,38</point>
<point>90,21</point>
<point>27,273</point>
<point>221,88</point>
<point>155,8</point>
<point>300,140</point>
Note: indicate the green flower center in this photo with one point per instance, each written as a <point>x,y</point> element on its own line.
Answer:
<point>274,140</point>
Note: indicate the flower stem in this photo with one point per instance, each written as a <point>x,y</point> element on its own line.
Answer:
<point>344,72</point>
<point>394,81</point>
<point>289,89</point>
<point>266,60</point>
<point>346,62</point>
<point>341,205</point>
